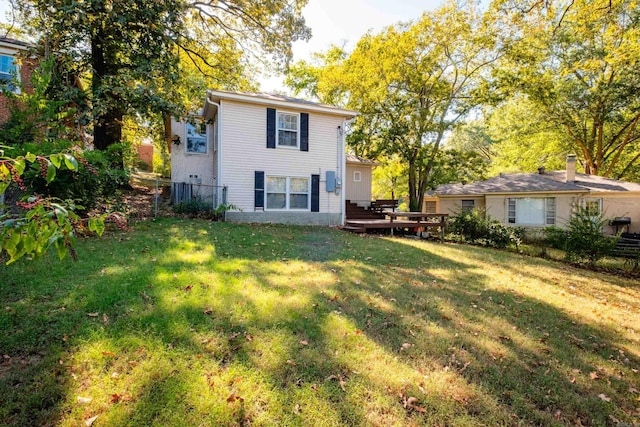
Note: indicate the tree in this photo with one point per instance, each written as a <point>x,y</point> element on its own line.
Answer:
<point>578,64</point>
<point>130,51</point>
<point>412,83</point>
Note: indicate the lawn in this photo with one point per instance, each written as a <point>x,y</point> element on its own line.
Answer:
<point>185,322</point>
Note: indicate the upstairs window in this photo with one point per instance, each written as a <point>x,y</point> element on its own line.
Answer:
<point>288,134</point>
<point>9,73</point>
<point>196,138</point>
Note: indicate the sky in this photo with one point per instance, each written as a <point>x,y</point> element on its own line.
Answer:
<point>344,22</point>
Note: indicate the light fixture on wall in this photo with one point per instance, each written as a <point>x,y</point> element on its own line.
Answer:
<point>175,139</point>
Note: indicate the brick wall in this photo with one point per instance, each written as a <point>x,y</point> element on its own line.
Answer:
<point>27,67</point>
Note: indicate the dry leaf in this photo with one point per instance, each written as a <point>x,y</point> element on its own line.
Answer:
<point>411,403</point>
<point>115,398</point>
<point>594,375</point>
<point>406,346</point>
<point>291,362</point>
<point>234,397</point>
<point>304,342</point>
<point>188,288</point>
<point>208,311</point>
<point>604,397</point>
<point>84,399</point>
<point>296,409</point>
<point>93,315</point>
<point>358,332</point>
<point>108,353</point>
<point>105,319</point>
<point>89,421</point>
<point>334,298</point>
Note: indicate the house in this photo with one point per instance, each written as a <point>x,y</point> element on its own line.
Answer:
<point>537,200</point>
<point>272,158</point>
<point>16,67</point>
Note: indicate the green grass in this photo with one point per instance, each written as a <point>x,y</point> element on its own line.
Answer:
<point>187,323</point>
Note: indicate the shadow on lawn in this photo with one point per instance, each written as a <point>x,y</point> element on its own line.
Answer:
<point>469,353</point>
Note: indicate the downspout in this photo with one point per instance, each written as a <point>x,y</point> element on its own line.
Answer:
<point>218,143</point>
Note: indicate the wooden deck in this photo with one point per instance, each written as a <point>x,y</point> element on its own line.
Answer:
<point>400,220</point>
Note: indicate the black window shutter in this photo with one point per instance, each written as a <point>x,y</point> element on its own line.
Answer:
<point>271,128</point>
<point>259,190</point>
<point>315,193</point>
<point>304,132</point>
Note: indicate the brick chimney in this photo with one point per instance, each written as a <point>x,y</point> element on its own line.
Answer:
<point>571,168</point>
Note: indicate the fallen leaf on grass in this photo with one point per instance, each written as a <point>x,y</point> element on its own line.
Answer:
<point>411,403</point>
<point>105,319</point>
<point>296,409</point>
<point>291,362</point>
<point>340,380</point>
<point>89,421</point>
<point>406,346</point>
<point>188,288</point>
<point>594,375</point>
<point>208,311</point>
<point>84,399</point>
<point>333,298</point>
<point>304,342</point>
<point>115,398</point>
<point>234,397</point>
<point>108,353</point>
<point>604,397</point>
<point>93,314</point>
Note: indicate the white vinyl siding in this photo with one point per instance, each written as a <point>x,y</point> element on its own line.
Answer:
<point>243,151</point>
<point>531,211</point>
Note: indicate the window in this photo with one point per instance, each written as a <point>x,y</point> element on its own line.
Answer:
<point>531,211</point>
<point>468,205</point>
<point>287,130</point>
<point>357,176</point>
<point>430,207</point>
<point>593,207</point>
<point>284,193</point>
<point>196,138</point>
<point>9,72</point>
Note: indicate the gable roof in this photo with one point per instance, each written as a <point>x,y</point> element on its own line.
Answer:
<point>277,100</point>
<point>547,182</point>
<point>357,160</point>
<point>14,44</point>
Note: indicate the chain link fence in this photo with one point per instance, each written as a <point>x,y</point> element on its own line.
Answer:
<point>189,197</point>
<point>8,199</point>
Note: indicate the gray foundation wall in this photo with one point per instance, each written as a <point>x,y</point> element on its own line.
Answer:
<point>291,218</point>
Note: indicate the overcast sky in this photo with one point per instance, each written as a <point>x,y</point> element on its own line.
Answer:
<point>345,21</point>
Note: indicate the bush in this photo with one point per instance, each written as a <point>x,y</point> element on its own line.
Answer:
<point>474,226</point>
<point>583,240</point>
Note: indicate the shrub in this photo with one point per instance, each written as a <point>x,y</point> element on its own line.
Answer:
<point>583,240</point>
<point>474,226</point>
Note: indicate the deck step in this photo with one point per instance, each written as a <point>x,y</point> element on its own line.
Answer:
<point>354,229</point>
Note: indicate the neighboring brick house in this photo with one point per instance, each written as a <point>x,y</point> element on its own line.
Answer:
<point>15,63</point>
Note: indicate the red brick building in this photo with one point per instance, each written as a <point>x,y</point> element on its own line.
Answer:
<point>15,64</point>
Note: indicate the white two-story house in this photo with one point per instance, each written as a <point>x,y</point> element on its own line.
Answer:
<point>280,159</point>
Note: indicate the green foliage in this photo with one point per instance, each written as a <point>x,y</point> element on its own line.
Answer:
<point>150,59</point>
<point>475,226</point>
<point>577,63</point>
<point>194,208</point>
<point>583,240</point>
<point>45,222</point>
<point>412,83</point>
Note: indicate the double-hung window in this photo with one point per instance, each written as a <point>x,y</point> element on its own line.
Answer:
<point>196,138</point>
<point>8,73</point>
<point>287,193</point>
<point>468,205</point>
<point>531,211</point>
<point>288,129</point>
